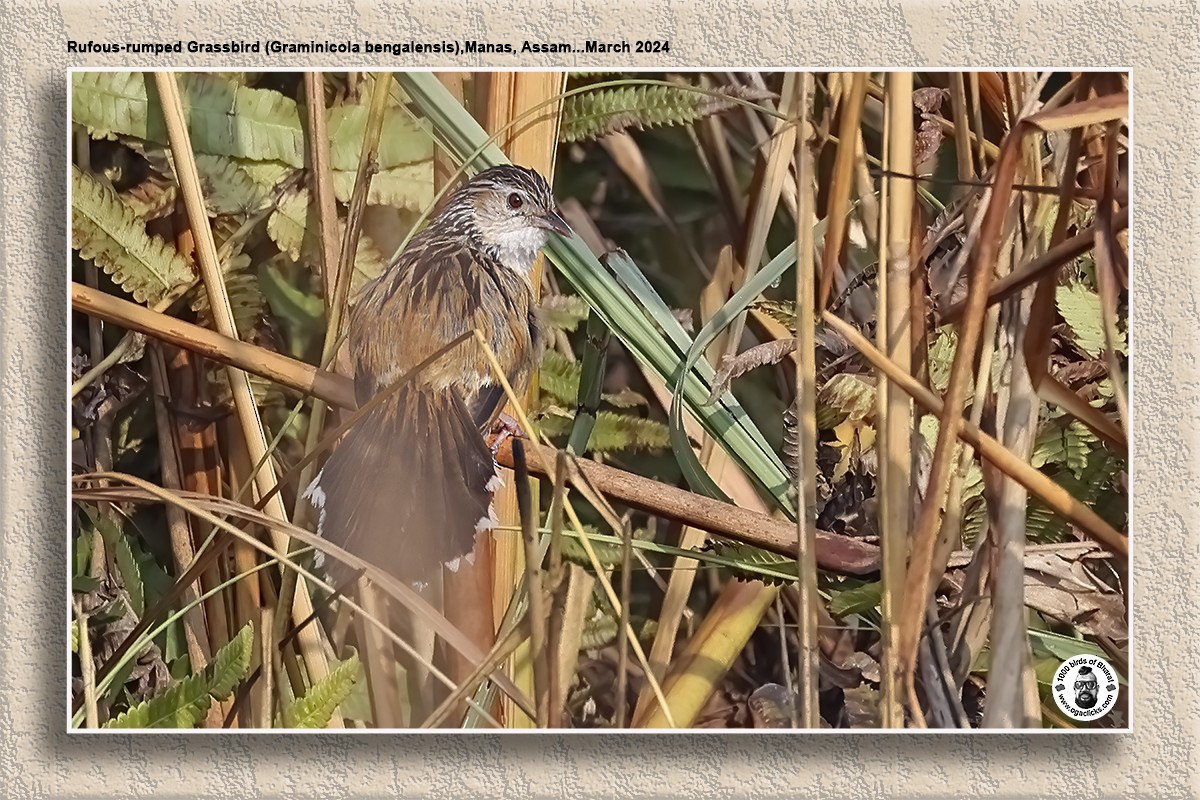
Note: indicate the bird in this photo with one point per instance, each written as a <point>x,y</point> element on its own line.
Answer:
<point>410,486</point>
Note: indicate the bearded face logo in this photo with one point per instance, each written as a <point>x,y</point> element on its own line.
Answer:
<point>1086,688</point>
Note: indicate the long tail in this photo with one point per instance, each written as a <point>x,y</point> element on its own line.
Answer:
<point>410,486</point>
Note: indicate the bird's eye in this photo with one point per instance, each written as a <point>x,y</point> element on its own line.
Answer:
<point>515,201</point>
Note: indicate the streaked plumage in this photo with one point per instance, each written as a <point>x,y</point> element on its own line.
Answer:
<point>410,485</point>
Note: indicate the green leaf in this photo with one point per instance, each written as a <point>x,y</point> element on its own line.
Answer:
<point>754,564</point>
<point>85,584</point>
<point>564,312</point>
<point>286,299</point>
<point>229,119</point>
<point>1064,647</point>
<point>409,187</point>
<point>131,576</point>
<point>227,188</point>
<point>612,431</point>
<point>558,377</point>
<point>1080,308</point>
<point>224,118</point>
<point>845,396</point>
<point>316,707</point>
<point>181,706</point>
<point>941,358</point>
<point>295,233</point>
<point>857,600</point>
<point>599,628</point>
<point>185,704</point>
<point>267,174</point>
<point>106,231</point>
<point>608,549</point>
<point>1066,445</point>
<point>231,664</point>
<point>782,311</point>
<point>402,142</point>
<point>245,296</point>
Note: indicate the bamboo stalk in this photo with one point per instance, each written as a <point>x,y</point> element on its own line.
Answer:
<point>894,333</point>
<point>709,654</point>
<point>809,663</point>
<point>532,143</point>
<point>839,201</point>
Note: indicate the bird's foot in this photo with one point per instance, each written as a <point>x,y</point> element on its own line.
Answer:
<point>503,429</point>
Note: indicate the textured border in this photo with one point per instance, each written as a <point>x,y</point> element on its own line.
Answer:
<point>1160,41</point>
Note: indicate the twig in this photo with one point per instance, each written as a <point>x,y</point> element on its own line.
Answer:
<point>834,552</point>
<point>182,547</point>
<point>1036,269</point>
<point>619,702</point>
<point>87,666</point>
<point>538,653</point>
<point>558,591</point>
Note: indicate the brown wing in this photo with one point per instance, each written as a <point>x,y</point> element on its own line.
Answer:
<point>435,292</point>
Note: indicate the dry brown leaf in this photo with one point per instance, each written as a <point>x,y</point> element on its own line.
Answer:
<point>735,366</point>
<point>1064,589</point>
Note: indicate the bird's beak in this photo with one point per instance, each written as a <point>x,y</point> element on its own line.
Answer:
<point>553,221</point>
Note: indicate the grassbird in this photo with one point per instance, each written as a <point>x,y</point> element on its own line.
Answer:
<point>410,486</point>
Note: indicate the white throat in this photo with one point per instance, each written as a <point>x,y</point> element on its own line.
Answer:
<point>518,249</point>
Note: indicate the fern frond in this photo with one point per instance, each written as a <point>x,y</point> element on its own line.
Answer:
<point>224,118</point>
<point>782,311</point>
<point>743,554</point>
<point>316,707</point>
<point>227,188</point>
<point>855,600</point>
<point>613,431</point>
<point>186,703</point>
<point>245,296</point>
<point>608,553</point>
<point>131,576</point>
<point>408,187</point>
<point>230,119</point>
<point>564,312</point>
<point>1080,308</point>
<point>231,664</point>
<point>290,227</point>
<point>181,706</point>
<point>594,114</point>
<point>1066,445</point>
<point>153,198</point>
<point>845,396</point>
<point>403,141</point>
<point>559,377</point>
<point>108,232</point>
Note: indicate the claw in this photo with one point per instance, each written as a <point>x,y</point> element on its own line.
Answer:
<point>503,429</point>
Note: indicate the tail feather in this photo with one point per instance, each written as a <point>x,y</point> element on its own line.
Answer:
<point>409,487</point>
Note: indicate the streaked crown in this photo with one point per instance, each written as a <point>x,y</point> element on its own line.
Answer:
<point>507,212</point>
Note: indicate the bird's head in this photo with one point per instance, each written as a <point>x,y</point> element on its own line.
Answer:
<point>511,213</point>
